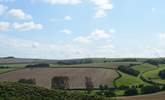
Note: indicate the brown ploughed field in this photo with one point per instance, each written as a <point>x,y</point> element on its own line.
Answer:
<point>76,76</point>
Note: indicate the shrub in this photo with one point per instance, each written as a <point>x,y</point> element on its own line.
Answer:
<point>150,89</point>
<point>131,92</point>
<point>162,74</point>
<point>27,81</point>
<point>89,84</point>
<point>60,82</point>
<point>42,65</point>
<point>128,70</point>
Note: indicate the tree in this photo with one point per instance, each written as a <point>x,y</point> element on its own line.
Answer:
<point>60,82</point>
<point>162,74</point>
<point>42,65</point>
<point>131,92</point>
<point>150,89</point>
<point>89,84</point>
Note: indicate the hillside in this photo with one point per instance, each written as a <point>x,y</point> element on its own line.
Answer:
<point>17,91</point>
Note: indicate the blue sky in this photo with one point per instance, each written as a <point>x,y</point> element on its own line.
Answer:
<point>60,29</point>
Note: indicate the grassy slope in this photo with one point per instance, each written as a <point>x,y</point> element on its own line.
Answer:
<point>153,75</point>
<point>144,67</point>
<point>128,80</point>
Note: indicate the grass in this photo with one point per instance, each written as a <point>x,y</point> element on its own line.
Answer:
<point>129,80</point>
<point>4,70</point>
<point>119,92</point>
<point>144,67</point>
<point>14,65</point>
<point>153,75</point>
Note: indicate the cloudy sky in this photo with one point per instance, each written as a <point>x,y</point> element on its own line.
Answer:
<point>61,29</point>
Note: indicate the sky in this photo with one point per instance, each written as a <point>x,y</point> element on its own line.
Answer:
<point>64,29</point>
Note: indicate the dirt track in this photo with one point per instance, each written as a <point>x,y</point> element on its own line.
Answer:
<point>155,96</point>
<point>43,76</point>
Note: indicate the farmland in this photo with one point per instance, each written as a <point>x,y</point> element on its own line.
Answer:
<point>43,76</point>
<point>113,77</point>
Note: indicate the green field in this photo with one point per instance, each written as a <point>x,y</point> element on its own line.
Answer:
<point>3,70</point>
<point>144,67</point>
<point>153,75</point>
<point>128,80</point>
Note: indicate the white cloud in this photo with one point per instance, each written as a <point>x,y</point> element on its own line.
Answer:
<point>20,14</point>
<point>7,0</point>
<point>4,26</point>
<point>68,18</point>
<point>153,9</point>
<point>27,26</point>
<point>28,48</point>
<point>2,9</point>
<point>99,34</point>
<point>66,31</point>
<point>102,6</point>
<point>83,40</point>
<point>63,2</point>
<point>95,35</point>
<point>112,30</point>
<point>161,36</point>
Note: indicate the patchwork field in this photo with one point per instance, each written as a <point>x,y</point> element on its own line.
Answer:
<point>153,75</point>
<point>76,76</point>
<point>128,80</point>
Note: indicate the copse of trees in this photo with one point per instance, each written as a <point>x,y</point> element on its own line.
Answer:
<point>126,60</point>
<point>74,61</point>
<point>41,65</point>
<point>60,82</point>
<point>2,66</point>
<point>150,89</point>
<point>106,91</point>
<point>128,70</point>
<point>162,74</point>
<point>131,92</point>
<point>155,62</point>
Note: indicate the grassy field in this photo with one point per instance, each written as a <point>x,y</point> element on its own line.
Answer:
<point>144,67</point>
<point>153,75</point>
<point>3,70</point>
<point>14,65</point>
<point>128,80</point>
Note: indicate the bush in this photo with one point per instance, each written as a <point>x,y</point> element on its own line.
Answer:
<point>128,70</point>
<point>162,74</point>
<point>122,87</point>
<point>27,81</point>
<point>131,92</point>
<point>42,65</point>
<point>60,82</point>
<point>150,89</point>
<point>155,62</point>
